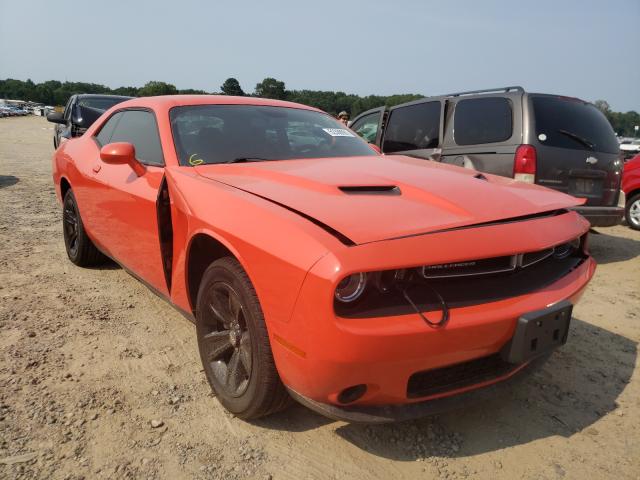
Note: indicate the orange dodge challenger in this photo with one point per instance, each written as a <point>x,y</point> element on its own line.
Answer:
<point>370,288</point>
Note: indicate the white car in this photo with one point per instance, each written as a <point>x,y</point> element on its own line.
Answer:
<point>630,147</point>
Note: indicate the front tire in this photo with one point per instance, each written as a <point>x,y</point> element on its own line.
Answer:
<point>632,212</point>
<point>80,249</point>
<point>234,343</point>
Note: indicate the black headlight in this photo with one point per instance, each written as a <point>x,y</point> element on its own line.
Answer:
<point>566,249</point>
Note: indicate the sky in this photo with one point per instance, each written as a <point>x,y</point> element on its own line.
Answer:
<point>587,49</point>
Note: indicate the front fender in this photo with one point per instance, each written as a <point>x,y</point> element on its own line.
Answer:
<point>276,247</point>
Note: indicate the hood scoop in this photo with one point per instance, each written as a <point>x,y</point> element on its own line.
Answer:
<point>370,189</point>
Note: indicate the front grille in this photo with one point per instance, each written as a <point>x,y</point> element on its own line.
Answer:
<point>439,380</point>
<point>484,266</point>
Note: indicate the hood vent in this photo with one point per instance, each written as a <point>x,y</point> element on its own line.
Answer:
<point>480,176</point>
<point>370,190</point>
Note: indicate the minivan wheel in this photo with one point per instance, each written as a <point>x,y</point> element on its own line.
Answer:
<point>234,343</point>
<point>632,212</point>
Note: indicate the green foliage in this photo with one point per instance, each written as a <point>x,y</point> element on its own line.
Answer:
<point>622,123</point>
<point>155,88</point>
<point>231,86</point>
<point>271,88</point>
<point>191,91</point>
<point>126,91</point>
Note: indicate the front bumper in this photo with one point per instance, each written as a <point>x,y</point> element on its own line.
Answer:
<point>319,354</point>
<point>377,414</point>
<point>601,216</point>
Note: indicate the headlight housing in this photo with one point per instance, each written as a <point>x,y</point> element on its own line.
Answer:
<point>351,288</point>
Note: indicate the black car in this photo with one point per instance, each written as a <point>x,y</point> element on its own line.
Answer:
<point>79,113</point>
<point>559,142</point>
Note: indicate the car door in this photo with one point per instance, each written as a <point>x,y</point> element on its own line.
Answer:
<point>369,124</point>
<point>413,129</point>
<point>124,204</point>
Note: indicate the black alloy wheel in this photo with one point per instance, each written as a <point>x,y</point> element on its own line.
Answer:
<point>80,248</point>
<point>234,343</point>
<point>71,225</point>
<point>226,344</point>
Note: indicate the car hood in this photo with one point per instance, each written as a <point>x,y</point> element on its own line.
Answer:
<point>368,199</point>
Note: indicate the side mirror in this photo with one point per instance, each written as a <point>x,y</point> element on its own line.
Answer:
<point>122,153</point>
<point>375,147</point>
<point>56,117</point>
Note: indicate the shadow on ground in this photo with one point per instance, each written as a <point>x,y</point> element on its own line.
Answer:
<point>107,265</point>
<point>577,386</point>
<point>8,180</point>
<point>607,248</point>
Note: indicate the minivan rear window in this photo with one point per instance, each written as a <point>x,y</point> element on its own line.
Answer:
<point>571,123</point>
<point>482,120</point>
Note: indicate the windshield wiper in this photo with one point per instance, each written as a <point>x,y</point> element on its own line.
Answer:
<point>578,138</point>
<point>247,159</point>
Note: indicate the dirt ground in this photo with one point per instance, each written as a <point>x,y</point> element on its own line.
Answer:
<point>90,358</point>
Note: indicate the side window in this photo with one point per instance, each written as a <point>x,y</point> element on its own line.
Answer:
<point>482,120</point>
<point>105,133</point>
<point>412,128</point>
<point>367,126</point>
<point>139,128</point>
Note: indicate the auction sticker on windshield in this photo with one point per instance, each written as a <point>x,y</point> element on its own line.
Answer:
<point>338,132</point>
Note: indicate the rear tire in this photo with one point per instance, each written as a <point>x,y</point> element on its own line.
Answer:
<point>632,212</point>
<point>234,343</point>
<point>80,249</point>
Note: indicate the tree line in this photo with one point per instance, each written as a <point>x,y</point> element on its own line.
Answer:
<point>53,92</point>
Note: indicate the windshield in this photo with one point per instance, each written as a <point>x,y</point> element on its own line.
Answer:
<point>571,123</point>
<point>206,134</point>
<point>101,103</point>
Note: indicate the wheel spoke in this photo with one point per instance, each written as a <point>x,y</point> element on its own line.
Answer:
<point>234,306</point>
<point>235,372</point>
<point>217,344</point>
<point>634,212</point>
<point>69,217</point>
<point>245,351</point>
<point>216,307</point>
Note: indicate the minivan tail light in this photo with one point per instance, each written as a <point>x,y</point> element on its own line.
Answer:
<point>524,164</point>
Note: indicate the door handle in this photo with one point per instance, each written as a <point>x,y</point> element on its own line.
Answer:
<point>97,167</point>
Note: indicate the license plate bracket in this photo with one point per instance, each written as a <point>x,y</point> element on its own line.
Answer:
<point>539,332</point>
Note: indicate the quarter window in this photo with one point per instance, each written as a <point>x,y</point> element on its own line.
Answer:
<point>139,128</point>
<point>413,128</point>
<point>367,126</point>
<point>483,120</point>
<point>104,136</point>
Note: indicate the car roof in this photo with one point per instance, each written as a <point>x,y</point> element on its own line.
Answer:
<point>504,92</point>
<point>170,101</point>
<point>99,95</point>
